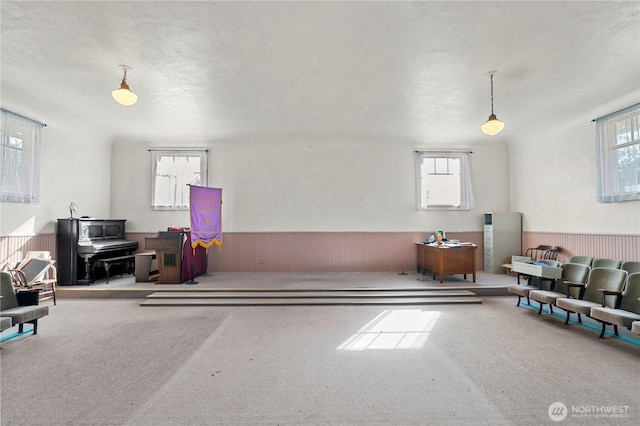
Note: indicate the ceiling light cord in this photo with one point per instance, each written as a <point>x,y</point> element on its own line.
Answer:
<point>124,81</point>
<point>125,76</point>
<point>493,126</point>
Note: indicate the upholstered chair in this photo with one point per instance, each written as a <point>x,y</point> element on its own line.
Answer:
<point>571,272</point>
<point>585,260</point>
<point>606,263</point>
<point>535,283</point>
<point>628,310</point>
<point>631,267</point>
<point>10,305</point>
<point>601,289</point>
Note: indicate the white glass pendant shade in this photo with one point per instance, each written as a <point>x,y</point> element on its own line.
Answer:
<point>124,96</point>
<point>493,126</point>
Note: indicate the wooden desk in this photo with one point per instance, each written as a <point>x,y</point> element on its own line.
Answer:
<point>445,260</point>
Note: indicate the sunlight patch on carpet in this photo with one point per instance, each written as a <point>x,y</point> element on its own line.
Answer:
<point>393,329</point>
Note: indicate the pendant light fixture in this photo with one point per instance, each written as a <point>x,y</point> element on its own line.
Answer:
<point>124,95</point>
<point>493,126</point>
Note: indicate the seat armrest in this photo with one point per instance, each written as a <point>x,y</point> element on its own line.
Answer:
<point>609,292</point>
<point>573,284</point>
<point>606,293</point>
<point>18,277</point>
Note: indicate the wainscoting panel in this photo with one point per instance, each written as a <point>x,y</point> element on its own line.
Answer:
<point>315,252</point>
<point>322,251</point>
<point>622,247</point>
<point>12,249</point>
<point>344,251</point>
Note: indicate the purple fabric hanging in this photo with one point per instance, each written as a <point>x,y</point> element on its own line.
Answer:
<point>206,216</point>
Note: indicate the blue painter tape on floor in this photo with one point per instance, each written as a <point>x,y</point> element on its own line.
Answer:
<point>14,335</point>
<point>584,324</point>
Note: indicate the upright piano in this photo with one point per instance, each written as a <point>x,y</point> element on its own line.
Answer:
<point>82,241</point>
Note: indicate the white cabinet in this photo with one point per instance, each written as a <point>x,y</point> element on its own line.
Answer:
<point>502,239</point>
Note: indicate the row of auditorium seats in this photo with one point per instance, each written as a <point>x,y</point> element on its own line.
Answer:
<point>606,290</point>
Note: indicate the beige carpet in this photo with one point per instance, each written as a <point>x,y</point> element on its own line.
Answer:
<point>112,362</point>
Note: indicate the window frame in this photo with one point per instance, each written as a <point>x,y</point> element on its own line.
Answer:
<point>20,160</point>
<point>181,184</point>
<point>466,201</point>
<point>608,148</point>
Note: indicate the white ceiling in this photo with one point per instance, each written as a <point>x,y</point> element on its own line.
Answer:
<point>211,70</point>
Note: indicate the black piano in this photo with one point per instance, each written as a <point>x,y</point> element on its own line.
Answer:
<point>83,241</point>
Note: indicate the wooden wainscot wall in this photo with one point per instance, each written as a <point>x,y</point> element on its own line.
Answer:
<point>344,251</point>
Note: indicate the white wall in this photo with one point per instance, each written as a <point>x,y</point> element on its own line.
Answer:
<point>326,184</point>
<point>310,184</point>
<point>554,181</point>
<point>76,166</point>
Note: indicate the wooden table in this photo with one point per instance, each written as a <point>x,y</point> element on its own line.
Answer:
<point>447,259</point>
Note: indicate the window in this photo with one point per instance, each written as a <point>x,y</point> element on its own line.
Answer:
<point>19,158</point>
<point>172,172</point>
<point>618,156</point>
<point>443,180</point>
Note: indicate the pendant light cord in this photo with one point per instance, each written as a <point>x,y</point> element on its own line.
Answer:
<point>491,92</point>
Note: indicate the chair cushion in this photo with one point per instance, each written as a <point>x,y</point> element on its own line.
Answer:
<point>521,290</point>
<point>576,305</point>
<point>614,316</point>
<point>22,314</point>
<point>546,296</point>
<point>635,327</point>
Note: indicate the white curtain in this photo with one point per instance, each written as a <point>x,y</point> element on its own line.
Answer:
<point>618,156</point>
<point>466,195</point>
<point>467,201</point>
<point>172,173</point>
<point>19,158</point>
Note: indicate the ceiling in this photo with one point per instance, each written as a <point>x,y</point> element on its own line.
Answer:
<point>210,70</point>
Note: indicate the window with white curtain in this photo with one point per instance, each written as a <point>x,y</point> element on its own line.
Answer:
<point>19,158</point>
<point>618,156</point>
<point>443,180</point>
<point>172,171</point>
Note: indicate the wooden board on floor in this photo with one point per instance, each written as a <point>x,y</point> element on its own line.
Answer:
<point>302,301</point>
<point>297,294</point>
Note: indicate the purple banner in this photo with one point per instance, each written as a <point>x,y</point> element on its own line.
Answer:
<point>206,216</point>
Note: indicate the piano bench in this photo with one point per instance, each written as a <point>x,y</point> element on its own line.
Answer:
<point>126,260</point>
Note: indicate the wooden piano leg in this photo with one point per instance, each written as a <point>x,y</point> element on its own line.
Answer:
<point>88,276</point>
<point>106,270</point>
